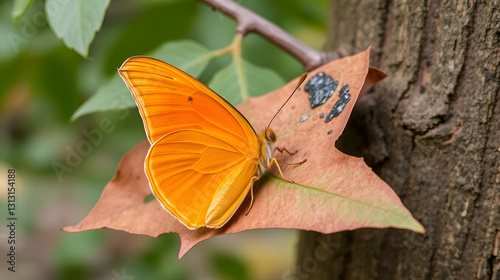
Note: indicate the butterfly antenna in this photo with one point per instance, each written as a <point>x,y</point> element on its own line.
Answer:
<point>301,80</point>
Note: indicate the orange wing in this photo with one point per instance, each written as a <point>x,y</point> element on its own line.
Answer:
<point>204,152</point>
<point>170,99</point>
<point>199,177</point>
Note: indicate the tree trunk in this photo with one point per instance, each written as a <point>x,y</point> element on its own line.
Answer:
<point>431,130</point>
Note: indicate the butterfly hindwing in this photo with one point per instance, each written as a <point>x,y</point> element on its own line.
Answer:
<point>198,177</point>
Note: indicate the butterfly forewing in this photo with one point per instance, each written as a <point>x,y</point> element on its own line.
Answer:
<point>169,100</point>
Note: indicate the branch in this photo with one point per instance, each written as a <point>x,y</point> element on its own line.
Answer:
<point>248,21</point>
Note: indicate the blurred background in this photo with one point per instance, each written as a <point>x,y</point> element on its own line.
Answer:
<point>42,83</point>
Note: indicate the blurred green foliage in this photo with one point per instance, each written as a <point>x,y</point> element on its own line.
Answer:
<point>42,83</point>
<point>230,267</point>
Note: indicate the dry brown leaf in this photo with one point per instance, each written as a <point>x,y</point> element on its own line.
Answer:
<point>333,191</point>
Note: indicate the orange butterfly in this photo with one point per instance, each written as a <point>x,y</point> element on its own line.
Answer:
<point>205,156</point>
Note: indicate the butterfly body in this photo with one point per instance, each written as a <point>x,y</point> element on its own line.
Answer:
<point>267,146</point>
<point>205,156</point>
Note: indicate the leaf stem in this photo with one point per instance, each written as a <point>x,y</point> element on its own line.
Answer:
<point>248,21</point>
<point>240,71</point>
<point>224,51</point>
<point>235,49</point>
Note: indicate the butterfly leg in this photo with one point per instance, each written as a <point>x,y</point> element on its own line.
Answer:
<point>252,180</point>
<point>275,161</point>
<point>281,150</point>
<point>295,163</point>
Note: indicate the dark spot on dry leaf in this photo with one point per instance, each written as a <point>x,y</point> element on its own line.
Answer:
<point>321,115</point>
<point>330,132</point>
<point>320,88</point>
<point>343,91</point>
<point>339,106</point>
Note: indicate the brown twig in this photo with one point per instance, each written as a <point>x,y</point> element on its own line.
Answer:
<point>248,21</point>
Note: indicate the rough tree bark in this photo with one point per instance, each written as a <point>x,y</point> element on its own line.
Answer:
<point>432,131</point>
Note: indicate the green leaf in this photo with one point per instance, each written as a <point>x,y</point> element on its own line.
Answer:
<point>20,7</point>
<point>111,96</point>
<point>76,21</point>
<point>187,55</point>
<point>237,83</point>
